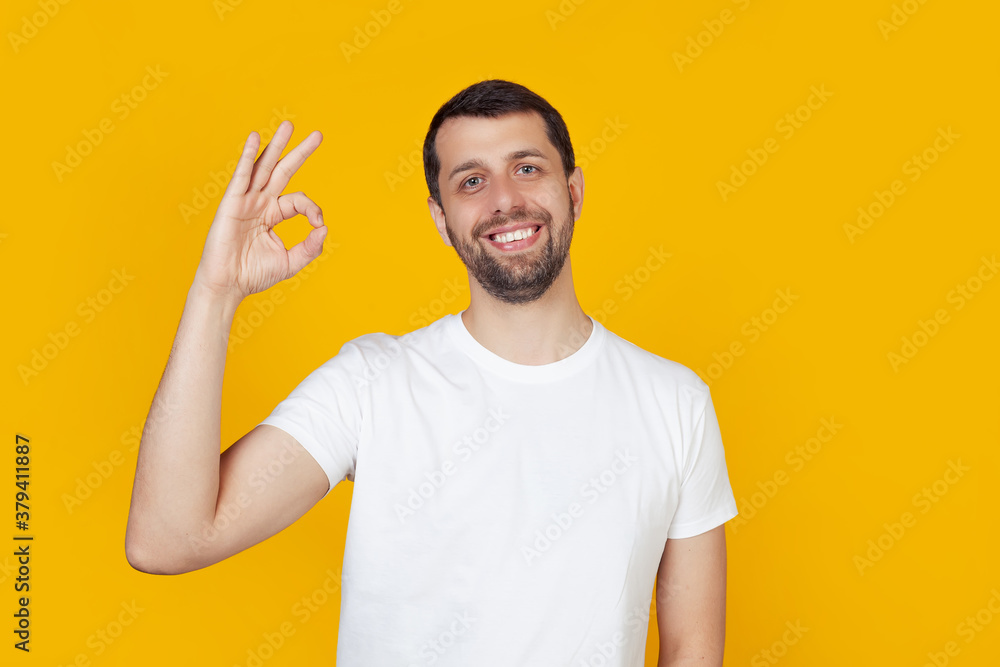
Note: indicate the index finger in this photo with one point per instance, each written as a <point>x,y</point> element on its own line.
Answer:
<point>288,165</point>
<point>244,167</point>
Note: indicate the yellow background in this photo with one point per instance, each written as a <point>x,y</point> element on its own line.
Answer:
<point>794,557</point>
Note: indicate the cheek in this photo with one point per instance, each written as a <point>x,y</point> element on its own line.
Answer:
<point>552,199</point>
<point>459,221</point>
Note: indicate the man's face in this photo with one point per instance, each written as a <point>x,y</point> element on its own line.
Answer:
<point>501,180</point>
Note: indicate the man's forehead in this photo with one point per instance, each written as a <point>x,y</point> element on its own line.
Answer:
<point>463,137</point>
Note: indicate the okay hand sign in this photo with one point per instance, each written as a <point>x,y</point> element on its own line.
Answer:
<point>243,255</point>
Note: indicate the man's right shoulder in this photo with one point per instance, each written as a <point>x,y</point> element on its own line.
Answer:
<point>374,348</point>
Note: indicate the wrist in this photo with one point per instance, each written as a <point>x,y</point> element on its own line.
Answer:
<point>202,293</point>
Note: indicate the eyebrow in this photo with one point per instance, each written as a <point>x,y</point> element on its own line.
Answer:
<point>476,163</point>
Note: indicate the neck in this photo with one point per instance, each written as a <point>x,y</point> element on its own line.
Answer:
<point>540,332</point>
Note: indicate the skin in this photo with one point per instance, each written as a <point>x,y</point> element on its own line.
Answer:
<point>189,504</point>
<point>552,326</point>
<point>192,507</point>
<point>691,600</point>
<point>691,591</point>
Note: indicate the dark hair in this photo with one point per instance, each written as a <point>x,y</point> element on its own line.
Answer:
<point>492,99</point>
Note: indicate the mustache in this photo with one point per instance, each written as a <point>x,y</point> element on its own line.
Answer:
<point>520,215</point>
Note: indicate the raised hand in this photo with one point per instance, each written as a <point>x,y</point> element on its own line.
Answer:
<point>243,255</point>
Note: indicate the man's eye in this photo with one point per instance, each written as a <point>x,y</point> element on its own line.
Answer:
<point>528,166</point>
<point>470,181</point>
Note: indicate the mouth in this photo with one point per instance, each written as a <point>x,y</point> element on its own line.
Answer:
<point>514,238</point>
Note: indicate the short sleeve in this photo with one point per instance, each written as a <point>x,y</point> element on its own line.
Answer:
<point>706,497</point>
<point>323,413</point>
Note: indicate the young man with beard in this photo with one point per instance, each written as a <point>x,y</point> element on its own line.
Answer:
<point>521,474</point>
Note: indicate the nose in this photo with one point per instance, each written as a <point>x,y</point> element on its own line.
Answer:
<point>505,196</point>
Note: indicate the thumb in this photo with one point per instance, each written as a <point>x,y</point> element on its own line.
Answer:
<point>306,250</point>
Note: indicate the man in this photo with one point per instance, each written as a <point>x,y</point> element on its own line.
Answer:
<point>521,474</point>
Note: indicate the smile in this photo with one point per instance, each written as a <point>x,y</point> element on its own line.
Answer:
<point>516,235</point>
<point>516,239</point>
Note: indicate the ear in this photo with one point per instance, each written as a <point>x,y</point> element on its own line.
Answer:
<point>439,219</point>
<point>575,184</point>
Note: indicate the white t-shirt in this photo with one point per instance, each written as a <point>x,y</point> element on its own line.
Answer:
<point>507,514</point>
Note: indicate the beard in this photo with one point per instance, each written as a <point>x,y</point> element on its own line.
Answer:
<point>522,277</point>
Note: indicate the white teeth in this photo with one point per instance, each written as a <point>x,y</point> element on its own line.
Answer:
<point>516,235</point>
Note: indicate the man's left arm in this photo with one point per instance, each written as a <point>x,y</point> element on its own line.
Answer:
<point>691,600</point>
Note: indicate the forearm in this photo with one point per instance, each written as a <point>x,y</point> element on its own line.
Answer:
<point>702,661</point>
<point>177,472</point>
<point>696,648</point>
